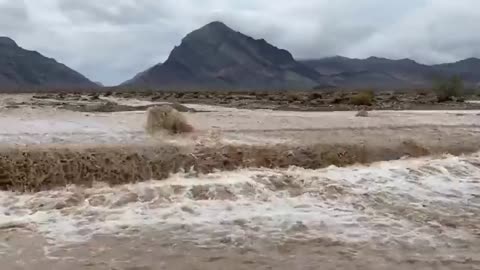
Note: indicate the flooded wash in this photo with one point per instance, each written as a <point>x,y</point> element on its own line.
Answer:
<point>407,214</point>
<point>249,189</point>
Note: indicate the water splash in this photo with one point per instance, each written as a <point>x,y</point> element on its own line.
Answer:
<point>432,200</point>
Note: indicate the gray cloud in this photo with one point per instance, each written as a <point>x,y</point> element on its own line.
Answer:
<point>122,13</point>
<point>14,17</point>
<point>112,40</point>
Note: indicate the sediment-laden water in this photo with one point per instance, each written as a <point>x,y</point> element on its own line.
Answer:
<point>420,213</point>
<point>247,190</point>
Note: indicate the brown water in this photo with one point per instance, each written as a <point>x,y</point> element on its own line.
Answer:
<point>408,214</point>
<point>36,168</point>
<point>421,213</point>
<point>158,251</point>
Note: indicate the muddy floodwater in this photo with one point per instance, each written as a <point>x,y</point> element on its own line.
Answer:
<point>410,213</point>
<point>421,213</point>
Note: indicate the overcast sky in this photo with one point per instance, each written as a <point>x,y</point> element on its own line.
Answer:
<point>112,40</point>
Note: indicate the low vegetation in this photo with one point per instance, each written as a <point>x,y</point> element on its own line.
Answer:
<point>364,98</point>
<point>339,100</point>
<point>166,119</point>
<point>449,90</point>
<point>472,92</point>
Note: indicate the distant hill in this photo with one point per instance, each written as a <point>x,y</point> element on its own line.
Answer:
<point>24,68</point>
<point>218,57</point>
<point>215,56</point>
<point>468,70</point>
<point>386,73</point>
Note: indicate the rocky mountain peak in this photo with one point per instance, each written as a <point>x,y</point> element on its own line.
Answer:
<point>216,56</point>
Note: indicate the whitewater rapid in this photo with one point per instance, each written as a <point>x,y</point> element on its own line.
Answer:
<point>427,201</point>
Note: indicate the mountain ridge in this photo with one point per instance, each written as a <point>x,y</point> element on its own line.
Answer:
<point>24,68</point>
<point>407,73</point>
<point>216,56</point>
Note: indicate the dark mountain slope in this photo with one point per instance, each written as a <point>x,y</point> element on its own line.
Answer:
<point>24,68</point>
<point>215,56</point>
<point>375,72</point>
<point>468,70</point>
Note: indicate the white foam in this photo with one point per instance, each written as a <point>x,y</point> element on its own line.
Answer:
<point>350,204</point>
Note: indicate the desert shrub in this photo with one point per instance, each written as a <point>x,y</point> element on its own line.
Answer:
<point>423,92</point>
<point>166,119</point>
<point>469,91</point>
<point>363,98</point>
<point>179,95</point>
<point>472,92</point>
<point>291,97</point>
<point>315,95</point>
<point>261,94</point>
<point>451,89</point>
